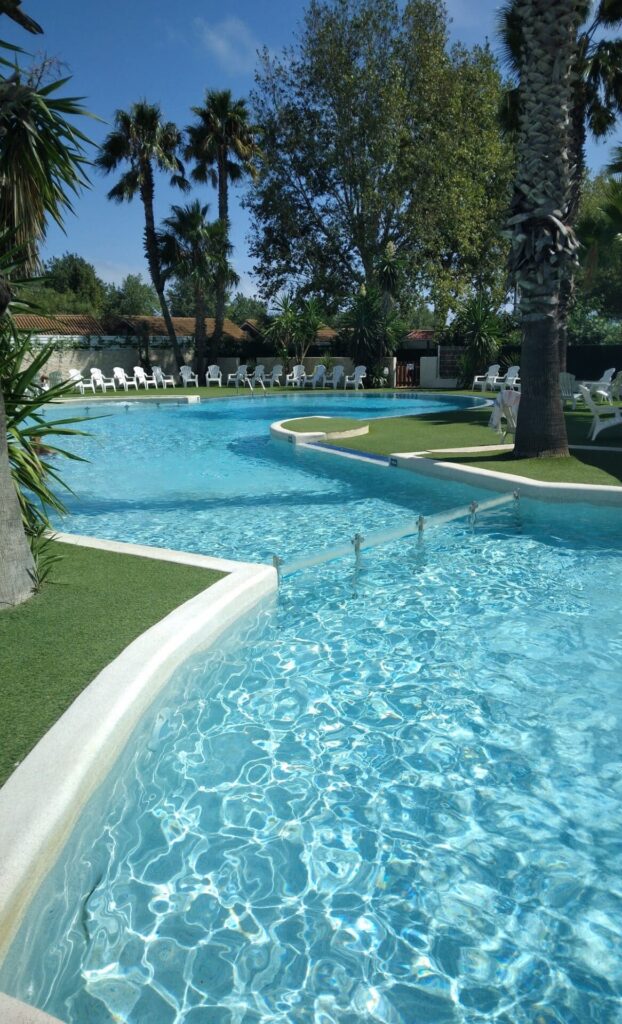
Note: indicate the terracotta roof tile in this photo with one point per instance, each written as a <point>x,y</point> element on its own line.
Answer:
<point>184,326</point>
<point>62,323</point>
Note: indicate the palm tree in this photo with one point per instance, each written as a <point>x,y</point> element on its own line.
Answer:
<point>41,159</point>
<point>144,141</point>
<point>194,249</point>
<point>542,239</point>
<point>596,103</point>
<point>222,144</point>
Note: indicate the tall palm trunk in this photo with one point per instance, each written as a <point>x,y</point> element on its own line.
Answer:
<point>223,217</point>
<point>200,338</point>
<point>16,562</point>
<point>543,242</point>
<point>153,259</point>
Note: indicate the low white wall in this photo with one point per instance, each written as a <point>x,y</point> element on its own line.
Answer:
<point>428,375</point>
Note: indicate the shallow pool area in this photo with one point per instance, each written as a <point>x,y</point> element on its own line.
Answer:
<point>391,796</point>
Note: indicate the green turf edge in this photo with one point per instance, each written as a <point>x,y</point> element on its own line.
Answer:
<point>52,646</point>
<point>317,424</point>
<point>465,428</point>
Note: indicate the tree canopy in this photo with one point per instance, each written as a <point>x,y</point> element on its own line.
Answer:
<point>372,132</point>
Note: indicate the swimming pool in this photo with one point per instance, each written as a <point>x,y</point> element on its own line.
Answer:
<point>208,478</point>
<point>393,795</point>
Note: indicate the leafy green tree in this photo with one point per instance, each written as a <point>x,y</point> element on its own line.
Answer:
<point>222,144</point>
<point>539,226</point>
<point>133,297</point>
<point>72,273</point>
<point>246,307</point>
<point>599,227</point>
<point>373,133</point>
<point>197,251</point>
<point>595,103</point>
<point>144,141</point>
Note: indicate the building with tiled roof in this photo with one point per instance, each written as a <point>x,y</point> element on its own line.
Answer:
<point>154,327</point>
<point>61,324</point>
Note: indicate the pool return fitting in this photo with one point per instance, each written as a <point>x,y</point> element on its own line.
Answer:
<point>408,529</point>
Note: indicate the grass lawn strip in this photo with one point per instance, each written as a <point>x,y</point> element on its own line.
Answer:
<point>52,646</point>
<point>448,431</point>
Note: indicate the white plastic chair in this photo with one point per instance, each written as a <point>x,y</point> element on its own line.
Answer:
<point>239,376</point>
<point>188,377</point>
<point>213,375</point>
<point>257,377</point>
<point>274,377</point>
<point>616,386</point>
<point>505,412</point>
<point>142,380</point>
<point>335,378</point>
<point>317,378</point>
<point>485,382</point>
<point>603,418</point>
<point>568,389</point>
<point>356,379</point>
<point>162,378</point>
<point>79,382</point>
<point>99,381</point>
<point>603,388</point>
<point>297,378</point>
<point>510,382</point>
<point>121,378</point>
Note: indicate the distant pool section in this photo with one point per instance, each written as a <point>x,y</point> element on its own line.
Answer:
<point>208,478</point>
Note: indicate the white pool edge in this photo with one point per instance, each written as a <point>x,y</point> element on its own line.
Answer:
<point>426,464</point>
<point>42,800</point>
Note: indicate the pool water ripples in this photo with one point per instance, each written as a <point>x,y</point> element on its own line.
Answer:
<point>394,796</point>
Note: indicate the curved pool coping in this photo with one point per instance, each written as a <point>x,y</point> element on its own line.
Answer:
<point>281,433</point>
<point>42,800</point>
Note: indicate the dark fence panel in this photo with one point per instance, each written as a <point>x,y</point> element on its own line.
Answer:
<point>587,362</point>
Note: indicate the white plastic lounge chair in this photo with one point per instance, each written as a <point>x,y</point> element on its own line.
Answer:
<point>485,381</point>
<point>603,418</point>
<point>257,377</point>
<point>240,376</point>
<point>297,378</point>
<point>99,381</point>
<point>356,378</point>
<point>616,386</point>
<point>274,377</point>
<point>603,388</point>
<point>188,377</point>
<point>79,382</point>
<point>511,381</point>
<point>213,375</point>
<point>568,389</point>
<point>122,380</point>
<point>317,378</point>
<point>335,378</point>
<point>505,412</point>
<point>142,380</point>
<point>161,378</point>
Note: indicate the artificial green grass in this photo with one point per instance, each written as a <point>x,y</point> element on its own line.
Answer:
<point>326,425</point>
<point>591,467</point>
<point>468,428</point>
<point>52,646</point>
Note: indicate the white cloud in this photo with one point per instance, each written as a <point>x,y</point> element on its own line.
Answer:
<point>231,42</point>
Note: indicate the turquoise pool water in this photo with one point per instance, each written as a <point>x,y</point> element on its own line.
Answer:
<point>208,477</point>
<point>393,795</point>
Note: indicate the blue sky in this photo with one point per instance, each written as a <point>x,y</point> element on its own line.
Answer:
<point>170,53</point>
